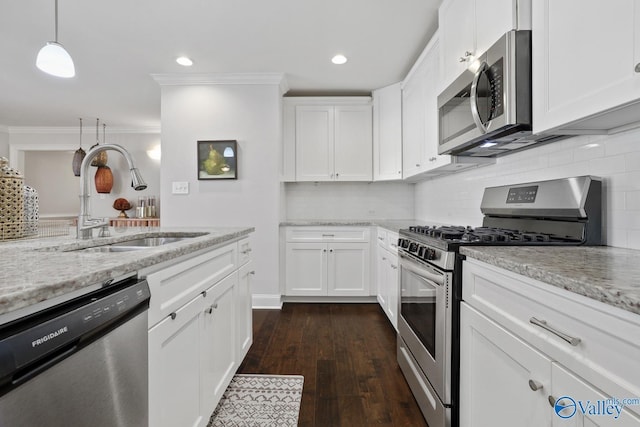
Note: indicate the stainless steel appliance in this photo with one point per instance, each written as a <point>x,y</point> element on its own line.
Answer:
<point>79,363</point>
<point>557,212</point>
<point>486,111</point>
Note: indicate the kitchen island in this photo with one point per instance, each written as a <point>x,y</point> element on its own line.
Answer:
<point>42,271</point>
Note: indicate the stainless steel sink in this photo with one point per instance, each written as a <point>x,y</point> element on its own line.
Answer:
<point>147,242</point>
<point>137,244</point>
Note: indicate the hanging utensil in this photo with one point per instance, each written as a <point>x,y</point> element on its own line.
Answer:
<point>78,156</point>
<point>101,158</point>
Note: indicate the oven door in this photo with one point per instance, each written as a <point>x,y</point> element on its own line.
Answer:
<point>425,321</point>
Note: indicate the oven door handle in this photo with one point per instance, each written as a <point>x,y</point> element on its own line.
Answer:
<point>435,277</point>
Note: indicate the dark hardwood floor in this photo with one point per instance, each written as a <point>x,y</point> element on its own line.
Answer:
<point>347,355</point>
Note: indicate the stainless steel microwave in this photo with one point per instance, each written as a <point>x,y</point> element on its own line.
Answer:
<point>486,111</point>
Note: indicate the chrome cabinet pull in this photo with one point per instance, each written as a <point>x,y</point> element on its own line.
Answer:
<point>173,315</point>
<point>204,294</point>
<point>209,310</point>
<point>637,67</point>
<point>246,251</point>
<point>417,165</point>
<point>535,385</point>
<point>252,272</point>
<point>328,235</point>
<point>215,305</point>
<point>433,159</point>
<point>380,238</point>
<point>574,341</point>
<point>395,267</point>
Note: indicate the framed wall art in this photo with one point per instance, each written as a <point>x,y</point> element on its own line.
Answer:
<point>218,159</point>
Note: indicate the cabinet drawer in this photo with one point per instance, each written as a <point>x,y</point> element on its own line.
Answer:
<point>608,347</point>
<point>173,286</point>
<point>381,237</point>
<point>244,251</point>
<point>327,234</point>
<point>387,239</point>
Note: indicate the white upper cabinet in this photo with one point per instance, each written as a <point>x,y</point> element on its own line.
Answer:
<point>328,139</point>
<point>387,133</point>
<point>586,65</point>
<point>469,27</point>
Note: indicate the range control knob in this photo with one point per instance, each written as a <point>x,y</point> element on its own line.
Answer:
<point>403,243</point>
<point>413,248</point>
<point>430,254</point>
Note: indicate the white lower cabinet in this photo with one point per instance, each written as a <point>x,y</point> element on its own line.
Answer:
<point>327,269</point>
<point>388,293</point>
<point>495,370</point>
<point>174,368</point>
<point>327,262</point>
<point>195,350</point>
<point>244,318</point>
<point>532,354</point>
<point>218,333</point>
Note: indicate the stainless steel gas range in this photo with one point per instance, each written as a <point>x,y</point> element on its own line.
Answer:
<point>558,212</point>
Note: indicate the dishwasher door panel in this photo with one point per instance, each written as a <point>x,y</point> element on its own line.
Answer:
<point>102,385</point>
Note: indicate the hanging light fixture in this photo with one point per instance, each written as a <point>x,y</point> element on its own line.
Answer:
<point>53,58</point>
<point>78,156</point>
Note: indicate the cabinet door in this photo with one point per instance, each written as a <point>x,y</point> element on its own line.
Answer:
<point>382,279</point>
<point>314,143</point>
<point>413,122</point>
<point>581,403</point>
<point>495,370</point>
<point>353,143</point>
<point>493,18</point>
<point>348,273</point>
<point>244,316</point>
<point>579,71</point>
<point>393,290</point>
<point>457,29</point>
<point>387,133</point>
<point>306,269</point>
<point>217,341</point>
<point>174,368</point>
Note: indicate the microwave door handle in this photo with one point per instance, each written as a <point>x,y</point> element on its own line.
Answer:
<point>474,97</point>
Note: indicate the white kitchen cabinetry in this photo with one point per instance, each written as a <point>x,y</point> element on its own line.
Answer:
<point>469,27</point>
<point>420,89</point>
<point>387,133</point>
<point>569,96</point>
<point>218,360</point>
<point>197,332</point>
<point>512,371</point>
<point>495,369</point>
<point>387,274</point>
<point>327,261</point>
<point>332,138</point>
<point>174,372</point>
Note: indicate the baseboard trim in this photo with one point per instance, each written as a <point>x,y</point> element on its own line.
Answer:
<point>266,301</point>
<point>320,299</point>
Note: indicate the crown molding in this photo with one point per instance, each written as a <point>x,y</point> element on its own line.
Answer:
<point>177,79</point>
<point>74,130</point>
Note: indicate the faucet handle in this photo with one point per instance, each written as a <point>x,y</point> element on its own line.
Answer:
<point>104,231</point>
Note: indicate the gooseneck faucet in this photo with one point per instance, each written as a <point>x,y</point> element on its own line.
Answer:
<point>85,223</point>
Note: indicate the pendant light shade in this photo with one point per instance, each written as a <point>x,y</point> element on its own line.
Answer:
<point>78,156</point>
<point>104,179</point>
<point>53,58</point>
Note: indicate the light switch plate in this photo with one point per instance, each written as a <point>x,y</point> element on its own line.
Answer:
<point>181,187</point>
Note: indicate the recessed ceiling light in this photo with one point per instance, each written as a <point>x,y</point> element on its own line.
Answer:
<point>339,59</point>
<point>184,61</point>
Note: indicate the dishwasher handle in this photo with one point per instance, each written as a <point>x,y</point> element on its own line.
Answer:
<point>30,345</point>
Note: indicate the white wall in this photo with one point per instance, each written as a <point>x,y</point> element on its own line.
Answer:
<point>349,200</point>
<point>250,114</point>
<point>456,199</point>
<point>4,141</point>
<point>58,182</point>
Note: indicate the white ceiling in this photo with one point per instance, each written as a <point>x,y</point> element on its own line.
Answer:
<point>117,44</point>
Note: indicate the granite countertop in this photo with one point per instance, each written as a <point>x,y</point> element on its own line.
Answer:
<point>394,225</point>
<point>36,270</point>
<point>607,274</point>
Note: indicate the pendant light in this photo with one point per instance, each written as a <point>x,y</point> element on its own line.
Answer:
<point>53,58</point>
<point>101,158</point>
<point>78,156</point>
<point>104,176</point>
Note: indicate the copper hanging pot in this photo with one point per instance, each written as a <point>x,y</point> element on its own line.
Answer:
<point>101,158</point>
<point>104,179</point>
<point>78,156</point>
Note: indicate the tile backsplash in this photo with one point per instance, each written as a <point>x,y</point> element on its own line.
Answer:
<point>455,199</point>
<point>349,200</point>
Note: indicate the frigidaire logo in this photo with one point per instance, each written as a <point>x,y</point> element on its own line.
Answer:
<point>49,336</point>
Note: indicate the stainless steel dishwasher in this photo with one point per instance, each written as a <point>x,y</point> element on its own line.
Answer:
<point>79,363</point>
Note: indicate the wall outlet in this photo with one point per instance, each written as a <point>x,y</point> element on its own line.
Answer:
<point>180,187</point>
